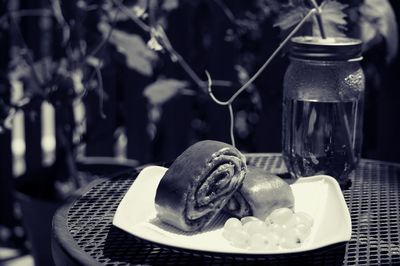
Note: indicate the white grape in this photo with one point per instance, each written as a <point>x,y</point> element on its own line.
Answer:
<point>259,241</point>
<point>289,239</point>
<point>282,228</point>
<point>300,218</point>
<point>227,234</point>
<point>233,224</point>
<point>247,219</point>
<point>280,216</point>
<point>278,229</point>
<point>268,221</point>
<point>302,231</point>
<point>255,226</point>
<point>273,240</point>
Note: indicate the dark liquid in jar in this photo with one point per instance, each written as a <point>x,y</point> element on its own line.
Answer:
<point>319,137</point>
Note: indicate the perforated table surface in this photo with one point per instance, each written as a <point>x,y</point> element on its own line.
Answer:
<point>83,232</point>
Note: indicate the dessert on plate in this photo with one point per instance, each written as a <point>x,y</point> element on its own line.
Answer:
<point>198,184</point>
<point>260,194</point>
<point>211,176</point>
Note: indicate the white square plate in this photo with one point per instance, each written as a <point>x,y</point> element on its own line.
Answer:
<point>319,196</point>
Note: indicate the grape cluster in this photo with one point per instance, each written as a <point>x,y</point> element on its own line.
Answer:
<point>283,228</point>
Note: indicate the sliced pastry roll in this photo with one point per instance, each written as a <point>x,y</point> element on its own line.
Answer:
<point>198,184</point>
<point>260,194</point>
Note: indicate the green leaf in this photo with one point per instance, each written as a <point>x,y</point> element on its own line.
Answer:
<point>378,20</point>
<point>290,17</point>
<point>138,55</point>
<point>163,90</point>
<point>333,19</point>
<point>332,12</point>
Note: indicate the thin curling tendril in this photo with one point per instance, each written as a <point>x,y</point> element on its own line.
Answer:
<point>258,73</point>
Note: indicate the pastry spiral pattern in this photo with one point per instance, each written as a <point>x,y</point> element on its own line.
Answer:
<point>198,184</point>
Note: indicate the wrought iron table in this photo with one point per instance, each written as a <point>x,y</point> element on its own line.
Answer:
<point>83,233</point>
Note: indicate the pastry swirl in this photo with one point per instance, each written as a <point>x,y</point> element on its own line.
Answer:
<point>198,184</point>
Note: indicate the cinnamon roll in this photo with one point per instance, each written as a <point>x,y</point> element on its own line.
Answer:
<point>198,184</point>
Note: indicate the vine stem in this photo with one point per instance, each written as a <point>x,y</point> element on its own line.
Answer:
<point>131,16</point>
<point>228,13</point>
<point>181,61</point>
<point>104,40</point>
<point>159,32</point>
<point>319,18</point>
<point>261,69</point>
<point>231,127</point>
<point>258,73</point>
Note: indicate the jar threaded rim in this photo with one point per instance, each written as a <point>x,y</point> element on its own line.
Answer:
<point>329,49</point>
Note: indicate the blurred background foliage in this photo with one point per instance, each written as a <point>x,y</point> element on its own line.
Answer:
<point>138,69</point>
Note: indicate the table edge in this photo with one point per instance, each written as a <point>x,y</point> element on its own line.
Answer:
<point>60,234</point>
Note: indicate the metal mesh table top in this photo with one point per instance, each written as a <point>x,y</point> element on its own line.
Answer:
<point>373,201</point>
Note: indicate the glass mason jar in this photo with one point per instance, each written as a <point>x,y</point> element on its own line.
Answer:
<point>323,107</point>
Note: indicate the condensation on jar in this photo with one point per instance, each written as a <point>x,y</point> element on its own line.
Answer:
<point>323,107</point>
